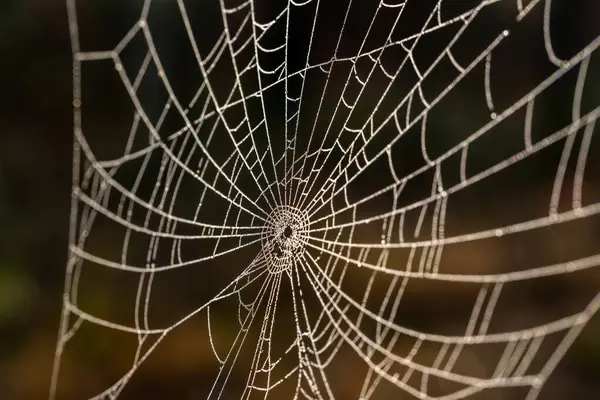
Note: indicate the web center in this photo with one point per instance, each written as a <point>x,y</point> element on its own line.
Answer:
<point>288,232</point>
<point>284,238</point>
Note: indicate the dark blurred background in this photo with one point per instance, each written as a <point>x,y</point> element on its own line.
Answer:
<point>35,157</point>
<point>35,186</point>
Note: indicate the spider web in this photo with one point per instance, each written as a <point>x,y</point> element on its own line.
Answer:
<point>309,167</point>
